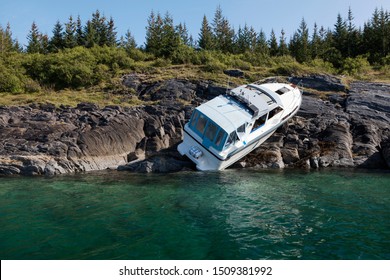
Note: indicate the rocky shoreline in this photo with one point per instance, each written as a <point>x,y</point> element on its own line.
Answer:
<point>335,127</point>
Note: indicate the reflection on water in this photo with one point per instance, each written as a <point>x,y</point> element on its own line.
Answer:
<point>233,214</point>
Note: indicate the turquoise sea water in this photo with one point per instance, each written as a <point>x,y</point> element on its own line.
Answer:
<point>235,214</point>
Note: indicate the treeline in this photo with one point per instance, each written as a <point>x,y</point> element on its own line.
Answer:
<point>79,55</point>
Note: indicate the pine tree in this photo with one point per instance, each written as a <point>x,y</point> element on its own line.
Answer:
<point>315,43</point>
<point>34,40</point>
<point>111,33</point>
<point>182,31</point>
<point>244,39</point>
<point>128,42</point>
<point>79,33</point>
<point>70,34</point>
<point>223,33</point>
<point>170,40</point>
<point>205,36</point>
<point>153,38</point>
<point>252,39</point>
<point>273,44</point>
<point>261,44</point>
<point>56,42</point>
<point>299,44</point>
<point>90,35</point>
<point>283,48</point>
<point>6,42</point>
<point>340,36</point>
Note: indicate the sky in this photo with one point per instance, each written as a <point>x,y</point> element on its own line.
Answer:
<point>131,15</point>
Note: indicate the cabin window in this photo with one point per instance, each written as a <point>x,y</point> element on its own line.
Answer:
<point>220,136</point>
<point>211,131</point>
<point>241,129</point>
<point>282,90</point>
<point>259,122</point>
<point>193,119</point>
<point>274,112</point>
<point>201,124</point>
<point>231,140</point>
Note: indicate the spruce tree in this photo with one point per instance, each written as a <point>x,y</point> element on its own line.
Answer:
<point>128,42</point>
<point>34,40</point>
<point>111,33</point>
<point>56,42</point>
<point>273,44</point>
<point>6,41</point>
<point>79,33</point>
<point>170,40</point>
<point>261,44</point>
<point>70,34</point>
<point>153,42</point>
<point>205,41</point>
<point>283,48</point>
<point>340,36</point>
<point>182,31</point>
<point>223,33</point>
<point>315,43</point>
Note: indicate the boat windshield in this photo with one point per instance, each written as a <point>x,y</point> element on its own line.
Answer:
<point>212,135</point>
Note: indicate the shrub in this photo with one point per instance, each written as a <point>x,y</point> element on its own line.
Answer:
<point>9,82</point>
<point>161,62</point>
<point>214,66</point>
<point>355,66</point>
<point>320,65</point>
<point>183,55</point>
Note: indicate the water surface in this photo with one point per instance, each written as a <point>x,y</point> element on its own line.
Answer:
<point>235,214</point>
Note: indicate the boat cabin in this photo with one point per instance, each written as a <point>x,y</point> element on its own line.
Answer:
<point>224,120</point>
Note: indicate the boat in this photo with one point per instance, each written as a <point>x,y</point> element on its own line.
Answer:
<point>226,128</point>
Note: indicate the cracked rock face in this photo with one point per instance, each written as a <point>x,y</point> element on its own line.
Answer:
<point>340,129</point>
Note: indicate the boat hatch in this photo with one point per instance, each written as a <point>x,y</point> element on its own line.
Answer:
<point>282,90</point>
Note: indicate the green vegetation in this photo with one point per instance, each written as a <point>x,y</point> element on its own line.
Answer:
<point>85,62</point>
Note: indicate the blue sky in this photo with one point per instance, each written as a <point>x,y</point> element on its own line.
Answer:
<point>132,15</point>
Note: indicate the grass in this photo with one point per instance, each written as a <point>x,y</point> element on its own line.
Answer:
<point>107,94</point>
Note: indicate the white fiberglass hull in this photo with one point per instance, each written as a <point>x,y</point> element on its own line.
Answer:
<point>211,161</point>
<point>204,148</point>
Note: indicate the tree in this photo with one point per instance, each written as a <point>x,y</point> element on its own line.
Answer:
<point>273,44</point>
<point>90,35</point>
<point>223,33</point>
<point>182,31</point>
<point>154,33</point>
<point>315,43</point>
<point>6,41</point>
<point>340,36</point>
<point>70,40</point>
<point>128,42</point>
<point>34,40</point>
<point>261,46</point>
<point>283,48</point>
<point>56,42</point>
<point>170,40</point>
<point>111,33</point>
<point>206,40</point>
<point>79,33</point>
<point>299,44</point>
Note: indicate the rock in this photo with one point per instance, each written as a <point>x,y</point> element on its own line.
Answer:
<point>158,164</point>
<point>386,151</point>
<point>320,82</point>
<point>234,73</point>
<point>339,130</point>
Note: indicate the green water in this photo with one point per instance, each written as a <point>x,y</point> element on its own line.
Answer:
<point>233,214</point>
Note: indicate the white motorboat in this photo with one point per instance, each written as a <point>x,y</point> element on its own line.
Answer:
<point>228,127</point>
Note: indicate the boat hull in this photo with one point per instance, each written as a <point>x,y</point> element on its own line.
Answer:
<point>211,161</point>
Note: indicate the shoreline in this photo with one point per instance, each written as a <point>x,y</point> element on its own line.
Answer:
<point>336,126</point>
